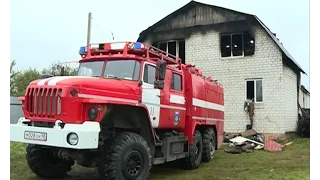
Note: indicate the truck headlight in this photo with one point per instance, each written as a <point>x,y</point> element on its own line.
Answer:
<point>92,113</point>
<point>72,139</point>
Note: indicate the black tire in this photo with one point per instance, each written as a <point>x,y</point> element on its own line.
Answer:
<point>193,161</point>
<point>44,164</point>
<point>125,157</point>
<point>209,144</point>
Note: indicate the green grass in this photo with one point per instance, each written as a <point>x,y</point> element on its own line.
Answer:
<point>291,164</point>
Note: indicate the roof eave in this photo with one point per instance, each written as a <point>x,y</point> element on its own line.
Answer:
<point>304,90</point>
<point>281,47</point>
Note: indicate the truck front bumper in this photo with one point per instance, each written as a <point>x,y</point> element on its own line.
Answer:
<point>87,133</point>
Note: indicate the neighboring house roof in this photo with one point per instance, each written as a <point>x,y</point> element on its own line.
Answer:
<point>193,3</point>
<point>304,90</point>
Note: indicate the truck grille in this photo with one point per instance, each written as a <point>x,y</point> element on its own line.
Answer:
<point>43,102</point>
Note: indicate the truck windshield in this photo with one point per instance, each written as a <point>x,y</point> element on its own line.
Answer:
<point>118,69</point>
<point>92,69</point>
<point>122,69</point>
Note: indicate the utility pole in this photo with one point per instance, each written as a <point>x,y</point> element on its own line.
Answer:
<point>89,29</point>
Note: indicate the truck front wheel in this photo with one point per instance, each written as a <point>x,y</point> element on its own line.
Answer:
<point>126,156</point>
<point>44,164</point>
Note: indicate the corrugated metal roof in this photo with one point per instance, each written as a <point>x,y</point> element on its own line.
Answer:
<point>193,3</point>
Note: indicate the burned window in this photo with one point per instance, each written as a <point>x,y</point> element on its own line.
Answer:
<point>175,47</point>
<point>172,47</point>
<point>226,46</point>
<point>248,44</point>
<point>176,82</point>
<point>236,44</point>
<point>254,90</point>
<point>149,74</point>
<point>182,49</point>
<point>163,46</point>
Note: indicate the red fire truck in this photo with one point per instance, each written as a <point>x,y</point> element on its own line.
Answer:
<point>130,106</point>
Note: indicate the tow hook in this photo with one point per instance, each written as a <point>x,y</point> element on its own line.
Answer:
<point>64,154</point>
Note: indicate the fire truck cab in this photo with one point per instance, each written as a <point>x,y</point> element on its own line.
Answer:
<point>130,106</point>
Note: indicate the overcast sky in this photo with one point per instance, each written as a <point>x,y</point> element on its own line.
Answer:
<point>43,32</point>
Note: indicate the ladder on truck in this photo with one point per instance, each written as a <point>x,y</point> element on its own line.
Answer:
<point>114,49</point>
<point>121,49</point>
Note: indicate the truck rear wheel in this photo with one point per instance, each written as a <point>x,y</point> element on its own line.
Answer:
<point>126,156</point>
<point>209,144</point>
<point>44,164</point>
<point>193,161</point>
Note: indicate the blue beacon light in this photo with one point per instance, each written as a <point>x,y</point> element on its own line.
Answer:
<point>82,50</point>
<point>137,46</point>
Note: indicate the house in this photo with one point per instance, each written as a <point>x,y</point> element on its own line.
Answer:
<point>304,98</point>
<point>239,51</point>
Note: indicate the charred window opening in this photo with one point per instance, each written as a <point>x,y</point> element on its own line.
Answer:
<point>163,46</point>
<point>236,44</point>
<point>182,49</point>
<point>254,90</point>
<point>248,44</point>
<point>176,82</point>
<point>174,47</point>
<point>225,46</point>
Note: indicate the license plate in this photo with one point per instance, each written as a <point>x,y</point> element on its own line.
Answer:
<point>37,136</point>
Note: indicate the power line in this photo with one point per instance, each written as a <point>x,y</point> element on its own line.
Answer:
<point>96,24</point>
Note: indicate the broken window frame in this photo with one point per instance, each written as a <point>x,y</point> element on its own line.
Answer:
<point>231,44</point>
<point>177,41</point>
<point>167,44</point>
<point>255,89</point>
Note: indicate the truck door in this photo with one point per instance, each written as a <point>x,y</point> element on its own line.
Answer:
<point>177,100</point>
<point>150,96</point>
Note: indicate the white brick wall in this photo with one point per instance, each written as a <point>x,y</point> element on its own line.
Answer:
<point>278,113</point>
<point>290,99</point>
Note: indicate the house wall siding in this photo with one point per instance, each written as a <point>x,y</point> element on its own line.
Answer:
<point>203,50</point>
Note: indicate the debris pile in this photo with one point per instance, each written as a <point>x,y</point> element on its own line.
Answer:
<point>250,140</point>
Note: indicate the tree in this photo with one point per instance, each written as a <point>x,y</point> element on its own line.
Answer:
<point>23,79</point>
<point>55,70</point>
<point>20,80</point>
<point>13,74</point>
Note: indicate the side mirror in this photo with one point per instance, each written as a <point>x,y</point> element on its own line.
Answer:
<point>160,74</point>
<point>161,70</point>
